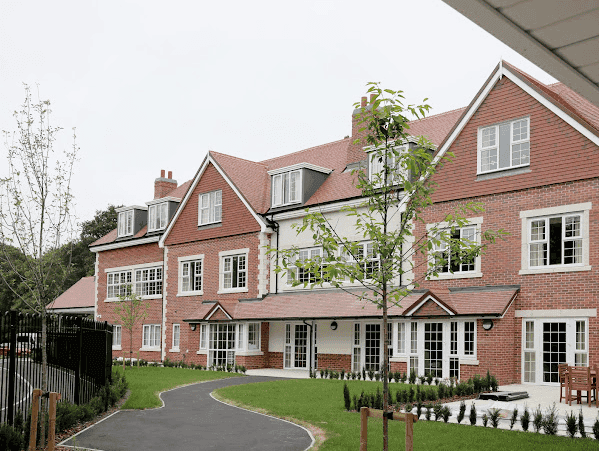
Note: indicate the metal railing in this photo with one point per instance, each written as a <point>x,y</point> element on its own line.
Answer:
<point>79,359</point>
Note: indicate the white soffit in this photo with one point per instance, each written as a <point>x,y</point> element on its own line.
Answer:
<point>561,37</point>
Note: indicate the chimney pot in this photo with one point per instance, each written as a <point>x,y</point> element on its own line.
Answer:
<point>162,173</point>
<point>372,96</point>
<point>170,174</point>
<point>363,104</point>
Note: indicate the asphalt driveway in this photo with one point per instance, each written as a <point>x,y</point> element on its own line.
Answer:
<point>192,420</point>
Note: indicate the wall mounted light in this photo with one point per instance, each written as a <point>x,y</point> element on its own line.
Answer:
<point>334,325</point>
<point>487,324</point>
<point>193,327</point>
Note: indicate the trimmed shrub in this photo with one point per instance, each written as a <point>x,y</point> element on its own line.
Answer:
<point>596,429</point>
<point>514,418</point>
<point>581,429</point>
<point>525,419</point>
<point>550,421</point>
<point>346,397</point>
<point>445,413</point>
<point>472,416</point>
<point>537,420</point>
<point>571,424</point>
<point>462,412</point>
<point>494,417</point>
<point>485,420</point>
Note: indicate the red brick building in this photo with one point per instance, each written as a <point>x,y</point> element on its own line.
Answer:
<point>527,151</point>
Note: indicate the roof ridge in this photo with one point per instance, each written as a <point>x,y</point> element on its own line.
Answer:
<point>438,114</point>
<point>305,150</point>
<point>237,158</point>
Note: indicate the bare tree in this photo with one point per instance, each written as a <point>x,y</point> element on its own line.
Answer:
<point>36,210</point>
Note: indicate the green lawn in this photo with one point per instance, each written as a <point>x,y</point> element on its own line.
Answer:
<point>320,403</point>
<point>146,383</point>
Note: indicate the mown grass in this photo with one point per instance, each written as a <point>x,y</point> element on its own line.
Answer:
<point>320,403</point>
<point>146,383</point>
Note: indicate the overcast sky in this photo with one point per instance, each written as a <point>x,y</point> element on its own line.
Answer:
<point>155,85</point>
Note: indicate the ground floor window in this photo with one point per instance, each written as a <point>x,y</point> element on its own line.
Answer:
<point>296,353</point>
<point>224,340</point>
<point>549,342</point>
<point>116,335</point>
<point>151,336</point>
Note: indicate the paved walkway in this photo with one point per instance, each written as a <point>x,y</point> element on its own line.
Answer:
<point>192,420</point>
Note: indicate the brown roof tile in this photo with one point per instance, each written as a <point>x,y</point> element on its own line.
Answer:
<point>81,294</point>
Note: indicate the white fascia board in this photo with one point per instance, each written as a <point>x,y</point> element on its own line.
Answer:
<point>164,199</point>
<point>217,307</point>
<point>300,166</point>
<point>131,207</point>
<point>185,200</point>
<point>121,244</point>
<point>424,301</point>
<point>263,226</point>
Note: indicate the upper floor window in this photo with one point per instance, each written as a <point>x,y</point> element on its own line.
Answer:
<point>145,281</point>
<point>125,223</point>
<point>504,146</point>
<point>305,274</point>
<point>556,239</point>
<point>286,188</point>
<point>447,259</point>
<point>158,216</point>
<point>364,255</point>
<point>191,276</point>
<point>210,207</point>
<point>233,271</point>
<point>376,167</point>
<point>148,281</point>
<point>118,283</point>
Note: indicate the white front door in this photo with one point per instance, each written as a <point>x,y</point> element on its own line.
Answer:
<point>296,346</point>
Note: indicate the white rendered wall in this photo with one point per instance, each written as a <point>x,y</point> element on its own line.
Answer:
<point>276,337</point>
<point>335,341</point>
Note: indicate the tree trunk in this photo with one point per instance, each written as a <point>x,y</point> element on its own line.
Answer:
<point>385,374</point>
<point>44,378</point>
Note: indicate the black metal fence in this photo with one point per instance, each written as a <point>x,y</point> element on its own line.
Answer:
<point>79,359</point>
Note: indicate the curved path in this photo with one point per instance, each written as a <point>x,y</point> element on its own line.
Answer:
<point>192,420</point>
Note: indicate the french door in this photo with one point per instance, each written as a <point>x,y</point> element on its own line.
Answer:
<point>546,343</point>
<point>433,349</point>
<point>221,345</point>
<point>296,354</point>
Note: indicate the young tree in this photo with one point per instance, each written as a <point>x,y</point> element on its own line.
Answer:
<point>396,194</point>
<point>35,209</point>
<point>131,310</point>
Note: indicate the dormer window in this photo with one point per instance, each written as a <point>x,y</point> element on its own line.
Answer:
<point>286,188</point>
<point>158,216</point>
<point>376,166</point>
<point>125,223</point>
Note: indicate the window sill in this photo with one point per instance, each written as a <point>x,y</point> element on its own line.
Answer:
<point>174,350</point>
<point>249,353</point>
<point>399,359</point>
<point>232,290</point>
<point>489,175</point>
<point>190,293</point>
<point>210,225</point>
<point>157,349</point>
<point>554,269</point>
<point>457,275</point>
<point>143,298</point>
<point>468,362</point>
<point>202,351</point>
<point>117,348</point>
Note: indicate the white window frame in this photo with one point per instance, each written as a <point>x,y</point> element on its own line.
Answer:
<point>537,348</point>
<point>125,223</point>
<point>203,336</point>
<point>282,185</point>
<point>188,260</point>
<point>157,216</point>
<point>212,204</point>
<point>132,270</point>
<point>151,340</point>
<point>528,216</point>
<point>176,337</point>
<point>475,223</point>
<point>512,143</point>
<point>376,167</point>
<point>257,332</point>
<point>371,257</point>
<point>118,289</point>
<point>117,337</point>
<point>293,270</point>
<point>153,278</point>
<point>224,256</point>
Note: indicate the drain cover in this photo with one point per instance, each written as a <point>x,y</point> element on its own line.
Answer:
<point>504,395</point>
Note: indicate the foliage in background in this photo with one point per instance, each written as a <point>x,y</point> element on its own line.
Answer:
<point>129,311</point>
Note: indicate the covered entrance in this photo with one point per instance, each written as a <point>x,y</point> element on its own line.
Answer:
<point>221,345</point>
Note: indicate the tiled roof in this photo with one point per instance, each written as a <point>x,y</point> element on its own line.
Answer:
<point>80,295</point>
<point>435,127</point>
<point>340,304</point>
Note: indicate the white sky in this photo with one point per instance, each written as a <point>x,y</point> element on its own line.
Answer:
<point>154,85</point>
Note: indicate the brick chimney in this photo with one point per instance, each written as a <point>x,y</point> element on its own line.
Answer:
<point>354,151</point>
<point>164,185</point>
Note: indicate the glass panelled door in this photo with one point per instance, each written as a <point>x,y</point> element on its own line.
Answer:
<point>372,347</point>
<point>221,347</point>
<point>433,349</point>
<point>554,350</point>
<point>296,346</point>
